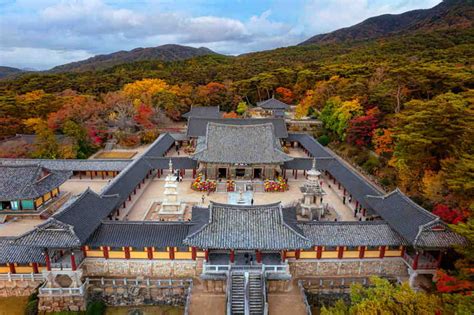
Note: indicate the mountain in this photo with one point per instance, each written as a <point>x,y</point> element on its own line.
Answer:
<point>449,14</point>
<point>8,71</point>
<point>162,53</point>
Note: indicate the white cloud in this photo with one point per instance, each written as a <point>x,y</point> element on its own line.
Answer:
<point>45,33</point>
<point>39,58</point>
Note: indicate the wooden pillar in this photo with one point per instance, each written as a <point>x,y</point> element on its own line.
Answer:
<point>340,252</point>
<point>283,255</point>
<point>84,252</point>
<point>47,260</point>
<point>357,204</point>
<point>206,255</point>
<point>402,253</point>
<point>415,261</point>
<point>129,197</point>
<point>382,252</point>
<point>73,262</point>
<point>91,174</point>
<point>194,173</point>
<point>297,253</point>
<point>319,252</point>
<point>361,251</point>
<point>124,205</point>
<point>12,267</point>
<point>35,268</point>
<point>258,255</point>
<point>158,174</point>
<point>338,185</point>
<point>105,250</point>
<point>149,251</point>
<point>172,253</point>
<point>440,256</point>
<point>134,191</point>
<point>127,252</point>
<point>139,185</point>
<point>102,174</point>
<point>193,253</point>
<point>296,174</point>
<point>232,256</point>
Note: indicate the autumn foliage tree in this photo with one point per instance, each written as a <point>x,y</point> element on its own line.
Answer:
<point>361,129</point>
<point>285,95</point>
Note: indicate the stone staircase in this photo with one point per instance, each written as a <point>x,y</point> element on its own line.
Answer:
<point>237,290</point>
<point>256,293</point>
<point>247,293</point>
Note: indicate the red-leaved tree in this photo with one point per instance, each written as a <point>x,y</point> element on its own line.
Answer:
<point>451,216</point>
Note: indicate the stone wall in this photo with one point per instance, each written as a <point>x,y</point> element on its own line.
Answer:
<point>59,303</point>
<point>348,267</point>
<point>94,267</point>
<point>138,294</point>
<point>278,286</point>
<point>17,287</point>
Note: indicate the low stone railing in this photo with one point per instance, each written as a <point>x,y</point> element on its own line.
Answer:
<point>79,291</point>
<point>305,299</point>
<point>266,269</point>
<point>22,277</point>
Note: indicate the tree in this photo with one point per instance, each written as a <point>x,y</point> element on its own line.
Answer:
<point>361,129</point>
<point>241,108</point>
<point>382,140</point>
<point>426,133</point>
<point>46,144</point>
<point>285,95</point>
<point>145,89</point>
<point>384,298</point>
<point>336,115</point>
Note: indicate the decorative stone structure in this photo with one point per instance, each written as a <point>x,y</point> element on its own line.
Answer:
<point>312,205</point>
<point>171,205</point>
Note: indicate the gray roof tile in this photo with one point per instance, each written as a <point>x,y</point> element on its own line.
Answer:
<point>247,227</point>
<point>197,127</point>
<point>250,144</point>
<point>273,103</point>
<point>29,181</point>
<point>203,111</point>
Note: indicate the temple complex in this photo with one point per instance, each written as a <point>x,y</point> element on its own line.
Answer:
<point>309,217</point>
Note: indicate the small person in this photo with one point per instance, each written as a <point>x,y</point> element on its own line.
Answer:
<point>251,202</point>
<point>202,199</point>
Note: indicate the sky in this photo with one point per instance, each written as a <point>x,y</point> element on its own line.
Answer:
<point>40,34</point>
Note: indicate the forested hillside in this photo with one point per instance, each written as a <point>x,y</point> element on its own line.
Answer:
<point>449,14</point>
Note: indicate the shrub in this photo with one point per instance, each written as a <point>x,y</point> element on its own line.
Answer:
<point>96,308</point>
<point>371,164</point>
<point>324,140</point>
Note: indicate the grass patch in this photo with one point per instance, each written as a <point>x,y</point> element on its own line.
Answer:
<point>115,155</point>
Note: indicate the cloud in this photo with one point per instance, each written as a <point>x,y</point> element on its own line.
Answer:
<point>45,33</point>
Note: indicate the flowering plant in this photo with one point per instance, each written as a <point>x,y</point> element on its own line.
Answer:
<point>201,184</point>
<point>278,185</point>
<point>230,185</point>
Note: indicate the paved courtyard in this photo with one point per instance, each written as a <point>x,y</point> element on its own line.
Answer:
<point>152,192</point>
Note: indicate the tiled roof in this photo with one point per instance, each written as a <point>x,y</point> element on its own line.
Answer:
<point>366,233</point>
<point>251,144</point>
<point>197,127</point>
<point>412,221</point>
<point>71,165</point>
<point>29,181</point>
<point>273,103</point>
<point>178,162</point>
<point>10,253</point>
<point>140,234</point>
<point>73,224</point>
<point>404,215</point>
<point>52,233</point>
<point>203,111</point>
<point>247,227</point>
<point>160,146</point>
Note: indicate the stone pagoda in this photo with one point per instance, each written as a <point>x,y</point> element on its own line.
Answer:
<point>171,206</point>
<point>312,204</point>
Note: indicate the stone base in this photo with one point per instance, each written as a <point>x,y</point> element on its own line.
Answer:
<point>94,267</point>
<point>17,287</point>
<point>348,267</point>
<point>48,303</point>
